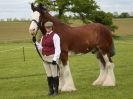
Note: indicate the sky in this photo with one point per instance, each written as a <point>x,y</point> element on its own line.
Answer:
<point>21,8</point>
<point>116,5</point>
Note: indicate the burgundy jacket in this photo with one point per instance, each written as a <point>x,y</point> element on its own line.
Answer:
<point>48,44</point>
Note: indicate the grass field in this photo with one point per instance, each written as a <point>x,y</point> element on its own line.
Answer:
<point>14,31</point>
<point>27,80</point>
<point>21,79</point>
<point>18,31</point>
<point>125,26</point>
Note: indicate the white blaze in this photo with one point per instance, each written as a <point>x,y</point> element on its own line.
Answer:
<point>33,26</point>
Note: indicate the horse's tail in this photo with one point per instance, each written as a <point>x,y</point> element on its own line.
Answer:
<point>112,50</point>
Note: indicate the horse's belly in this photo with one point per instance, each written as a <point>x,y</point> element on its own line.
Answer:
<point>71,53</point>
<point>83,46</point>
<point>80,50</point>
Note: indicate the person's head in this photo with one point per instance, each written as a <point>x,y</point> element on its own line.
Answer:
<point>48,26</point>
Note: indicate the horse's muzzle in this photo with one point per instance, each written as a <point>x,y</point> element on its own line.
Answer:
<point>32,31</point>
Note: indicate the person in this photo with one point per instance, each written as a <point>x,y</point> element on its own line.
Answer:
<point>50,48</point>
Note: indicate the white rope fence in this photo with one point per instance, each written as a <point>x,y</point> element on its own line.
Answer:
<point>124,43</point>
<point>19,48</point>
<point>13,49</point>
<point>23,48</point>
<point>10,50</point>
<point>1,51</point>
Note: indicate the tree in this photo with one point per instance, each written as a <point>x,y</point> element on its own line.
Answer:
<point>104,18</point>
<point>124,15</point>
<point>82,8</point>
<point>86,10</point>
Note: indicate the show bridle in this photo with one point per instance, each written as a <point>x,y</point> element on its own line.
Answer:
<point>38,25</point>
<point>34,39</point>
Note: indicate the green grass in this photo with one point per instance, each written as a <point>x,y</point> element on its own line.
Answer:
<point>27,80</point>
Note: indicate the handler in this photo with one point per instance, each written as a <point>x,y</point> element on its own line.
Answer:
<point>50,47</point>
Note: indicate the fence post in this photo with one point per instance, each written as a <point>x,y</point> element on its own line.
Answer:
<point>24,54</point>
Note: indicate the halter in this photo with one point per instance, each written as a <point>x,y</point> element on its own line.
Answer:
<point>38,26</point>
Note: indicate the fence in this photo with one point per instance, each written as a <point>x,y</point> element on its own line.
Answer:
<point>27,52</point>
<point>15,53</point>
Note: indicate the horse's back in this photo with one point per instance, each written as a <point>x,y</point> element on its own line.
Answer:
<point>92,31</point>
<point>92,28</point>
<point>96,34</point>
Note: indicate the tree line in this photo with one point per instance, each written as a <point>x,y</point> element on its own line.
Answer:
<point>15,19</point>
<point>85,10</point>
<point>122,15</point>
<point>114,15</point>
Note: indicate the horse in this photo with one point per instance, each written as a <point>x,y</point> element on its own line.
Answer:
<point>93,37</point>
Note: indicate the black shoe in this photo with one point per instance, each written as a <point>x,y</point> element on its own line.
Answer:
<point>50,85</point>
<point>56,85</point>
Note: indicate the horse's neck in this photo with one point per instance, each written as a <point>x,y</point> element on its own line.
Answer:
<point>57,22</point>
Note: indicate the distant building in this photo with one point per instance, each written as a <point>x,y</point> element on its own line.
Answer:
<point>131,13</point>
<point>115,14</point>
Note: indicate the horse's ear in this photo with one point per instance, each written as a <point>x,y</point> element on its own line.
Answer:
<point>40,5</point>
<point>41,8</point>
<point>32,7</point>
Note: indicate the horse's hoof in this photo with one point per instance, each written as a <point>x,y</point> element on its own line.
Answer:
<point>60,86</point>
<point>68,89</point>
<point>96,83</point>
<point>108,83</point>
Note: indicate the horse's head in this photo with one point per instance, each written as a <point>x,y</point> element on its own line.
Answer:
<point>37,21</point>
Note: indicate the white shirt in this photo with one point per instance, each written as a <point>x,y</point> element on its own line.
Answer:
<point>56,41</point>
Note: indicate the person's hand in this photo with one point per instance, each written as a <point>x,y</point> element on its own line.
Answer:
<point>54,62</point>
<point>39,46</point>
<point>34,39</point>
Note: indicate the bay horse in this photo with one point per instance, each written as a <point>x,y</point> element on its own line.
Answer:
<point>93,37</point>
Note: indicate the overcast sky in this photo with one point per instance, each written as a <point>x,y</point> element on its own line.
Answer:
<point>116,5</point>
<point>21,8</point>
